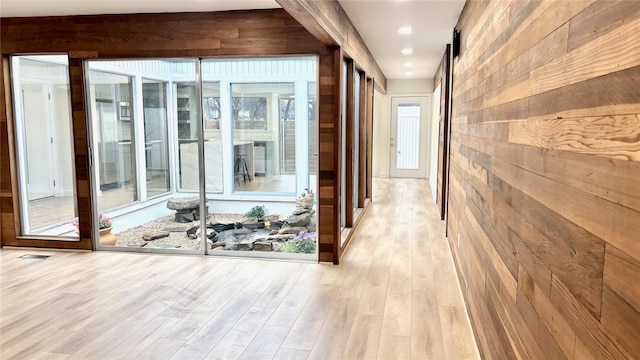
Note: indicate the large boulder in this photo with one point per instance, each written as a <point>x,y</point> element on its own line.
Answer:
<point>291,230</point>
<point>187,203</point>
<point>299,220</point>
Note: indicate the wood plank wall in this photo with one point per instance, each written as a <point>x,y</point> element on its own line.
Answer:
<point>234,33</point>
<point>329,158</point>
<point>545,177</point>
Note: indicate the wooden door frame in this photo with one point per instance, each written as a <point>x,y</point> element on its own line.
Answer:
<point>442,192</point>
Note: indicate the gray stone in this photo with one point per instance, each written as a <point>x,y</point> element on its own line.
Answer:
<point>219,244</point>
<point>153,235</point>
<point>291,230</point>
<point>243,231</point>
<point>313,223</point>
<point>300,211</point>
<point>210,234</point>
<point>185,217</point>
<point>187,203</point>
<point>176,228</point>
<point>299,220</point>
<point>277,246</point>
<point>245,245</point>
<point>262,246</point>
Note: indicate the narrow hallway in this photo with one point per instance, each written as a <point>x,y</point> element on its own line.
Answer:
<point>401,267</point>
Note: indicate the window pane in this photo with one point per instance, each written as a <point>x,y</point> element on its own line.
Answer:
<point>313,133</point>
<point>154,94</point>
<point>114,145</point>
<point>45,145</point>
<point>408,134</point>
<point>343,149</point>
<point>263,117</point>
<point>213,157</point>
<point>356,138</point>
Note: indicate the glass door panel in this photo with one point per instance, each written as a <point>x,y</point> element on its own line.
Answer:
<point>45,145</point>
<point>154,94</point>
<point>213,157</point>
<point>138,141</point>
<point>111,109</point>
<point>356,138</point>
<point>263,121</point>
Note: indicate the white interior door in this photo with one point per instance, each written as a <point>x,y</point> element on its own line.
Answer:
<point>408,137</point>
<point>38,141</point>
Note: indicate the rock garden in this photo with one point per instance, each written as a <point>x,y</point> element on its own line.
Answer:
<point>252,231</point>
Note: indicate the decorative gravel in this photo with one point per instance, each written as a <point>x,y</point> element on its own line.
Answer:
<point>177,239</point>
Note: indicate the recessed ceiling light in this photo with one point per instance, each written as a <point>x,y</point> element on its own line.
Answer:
<point>409,73</point>
<point>408,64</point>
<point>407,51</point>
<point>405,30</point>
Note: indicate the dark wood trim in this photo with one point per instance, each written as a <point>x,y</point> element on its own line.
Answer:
<point>362,141</point>
<point>330,109</point>
<point>8,227</point>
<point>227,33</point>
<point>444,134</point>
<point>81,151</point>
<point>45,242</point>
<point>350,142</point>
<point>329,23</point>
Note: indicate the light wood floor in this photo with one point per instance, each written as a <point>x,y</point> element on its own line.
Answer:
<point>395,296</point>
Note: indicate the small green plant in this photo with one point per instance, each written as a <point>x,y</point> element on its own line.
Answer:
<point>256,212</point>
<point>304,242</point>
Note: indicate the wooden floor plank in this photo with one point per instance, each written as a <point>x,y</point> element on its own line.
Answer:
<point>395,295</point>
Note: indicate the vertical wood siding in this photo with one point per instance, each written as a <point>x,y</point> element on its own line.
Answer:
<point>545,177</point>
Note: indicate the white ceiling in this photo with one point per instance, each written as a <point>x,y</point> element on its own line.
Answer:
<point>376,20</point>
<point>432,22</point>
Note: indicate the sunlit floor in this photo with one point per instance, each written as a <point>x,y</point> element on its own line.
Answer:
<point>53,210</point>
<point>276,184</point>
<point>395,295</point>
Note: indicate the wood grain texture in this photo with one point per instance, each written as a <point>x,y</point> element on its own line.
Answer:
<point>545,166</point>
<point>7,218</point>
<point>329,173</point>
<point>100,305</point>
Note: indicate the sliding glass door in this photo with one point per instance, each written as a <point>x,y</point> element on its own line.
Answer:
<point>224,147</point>
<point>138,136</point>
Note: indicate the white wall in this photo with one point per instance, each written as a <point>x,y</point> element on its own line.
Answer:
<point>382,117</point>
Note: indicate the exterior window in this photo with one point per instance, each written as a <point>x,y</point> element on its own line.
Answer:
<point>264,141</point>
